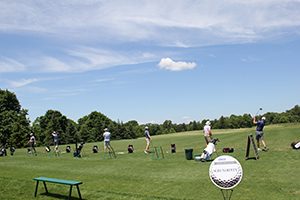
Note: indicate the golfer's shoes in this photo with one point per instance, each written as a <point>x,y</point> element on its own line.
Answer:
<point>259,149</point>
<point>146,152</point>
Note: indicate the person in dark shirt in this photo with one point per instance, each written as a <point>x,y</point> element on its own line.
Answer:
<point>259,132</point>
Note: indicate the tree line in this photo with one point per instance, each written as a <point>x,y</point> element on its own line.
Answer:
<point>15,127</point>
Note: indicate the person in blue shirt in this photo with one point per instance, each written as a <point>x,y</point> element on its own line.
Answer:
<point>56,137</point>
<point>259,132</point>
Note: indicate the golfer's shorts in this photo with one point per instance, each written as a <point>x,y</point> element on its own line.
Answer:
<point>207,138</point>
<point>56,143</point>
<point>148,141</point>
<point>259,134</point>
<point>106,143</point>
<point>31,144</point>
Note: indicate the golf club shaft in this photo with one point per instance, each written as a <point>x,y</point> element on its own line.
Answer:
<point>258,111</point>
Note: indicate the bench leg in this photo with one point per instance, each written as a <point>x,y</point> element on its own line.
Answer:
<point>45,186</point>
<point>36,188</point>
<point>70,192</point>
<point>78,191</point>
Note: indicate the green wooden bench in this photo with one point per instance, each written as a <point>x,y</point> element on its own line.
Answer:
<point>58,181</point>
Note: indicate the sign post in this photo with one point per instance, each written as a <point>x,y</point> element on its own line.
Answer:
<point>250,139</point>
<point>226,173</point>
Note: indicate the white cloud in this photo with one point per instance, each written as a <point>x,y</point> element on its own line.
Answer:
<point>168,63</point>
<point>102,80</point>
<point>10,65</point>
<point>249,59</point>
<point>198,22</point>
<point>89,27</point>
<point>21,82</point>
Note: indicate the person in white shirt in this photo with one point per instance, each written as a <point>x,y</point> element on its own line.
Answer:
<point>207,133</point>
<point>106,136</point>
<point>32,142</point>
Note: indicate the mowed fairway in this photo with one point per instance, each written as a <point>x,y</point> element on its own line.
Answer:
<point>275,175</point>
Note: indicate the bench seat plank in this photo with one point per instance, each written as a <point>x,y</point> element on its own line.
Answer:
<point>59,181</point>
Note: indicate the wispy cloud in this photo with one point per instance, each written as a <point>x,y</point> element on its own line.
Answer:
<point>21,82</point>
<point>249,59</point>
<point>88,27</point>
<point>103,80</point>
<point>120,21</point>
<point>168,63</point>
<point>10,65</point>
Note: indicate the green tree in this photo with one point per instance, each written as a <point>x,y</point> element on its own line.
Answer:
<point>172,130</point>
<point>91,127</point>
<point>44,126</point>
<point>71,135</point>
<point>283,119</point>
<point>139,131</point>
<point>167,124</point>
<point>222,123</point>
<point>14,126</point>
<point>165,131</point>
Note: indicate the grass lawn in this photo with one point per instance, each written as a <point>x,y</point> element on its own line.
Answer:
<point>275,175</point>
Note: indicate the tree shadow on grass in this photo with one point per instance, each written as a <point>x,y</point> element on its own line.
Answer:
<point>59,196</point>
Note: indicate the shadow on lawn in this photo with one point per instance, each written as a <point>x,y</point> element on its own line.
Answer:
<point>59,196</point>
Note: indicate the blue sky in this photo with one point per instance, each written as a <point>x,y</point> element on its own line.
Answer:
<point>151,61</point>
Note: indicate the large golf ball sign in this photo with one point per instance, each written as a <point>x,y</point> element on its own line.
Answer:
<point>225,172</point>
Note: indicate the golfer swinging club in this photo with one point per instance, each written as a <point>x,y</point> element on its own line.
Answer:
<point>56,136</point>
<point>259,132</point>
<point>106,136</point>
<point>148,138</point>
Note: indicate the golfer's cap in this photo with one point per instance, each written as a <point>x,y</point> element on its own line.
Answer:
<point>208,122</point>
<point>31,133</point>
<point>146,127</point>
<point>105,129</point>
<point>263,118</point>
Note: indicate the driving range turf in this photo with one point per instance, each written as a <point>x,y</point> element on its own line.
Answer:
<point>275,175</point>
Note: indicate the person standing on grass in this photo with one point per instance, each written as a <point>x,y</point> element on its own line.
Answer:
<point>32,142</point>
<point>207,132</point>
<point>56,136</point>
<point>148,138</point>
<point>106,136</point>
<point>259,132</point>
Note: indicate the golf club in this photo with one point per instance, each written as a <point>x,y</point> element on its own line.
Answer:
<point>258,111</point>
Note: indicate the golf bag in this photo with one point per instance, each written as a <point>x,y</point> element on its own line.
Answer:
<point>95,149</point>
<point>130,148</point>
<point>228,150</point>
<point>295,145</point>
<point>3,150</point>
<point>209,150</point>
<point>12,150</point>
<point>48,149</point>
<point>68,149</point>
<point>79,148</point>
<point>173,148</point>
